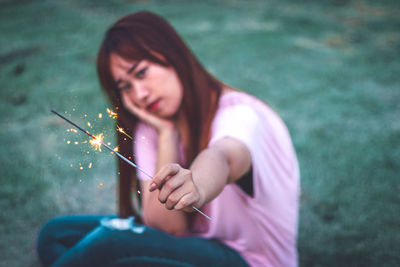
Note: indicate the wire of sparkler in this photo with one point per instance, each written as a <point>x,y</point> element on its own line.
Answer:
<point>118,154</point>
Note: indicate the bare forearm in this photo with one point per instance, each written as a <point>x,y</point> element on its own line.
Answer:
<point>154,212</point>
<point>210,172</point>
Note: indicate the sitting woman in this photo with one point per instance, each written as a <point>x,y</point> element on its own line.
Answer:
<point>205,144</point>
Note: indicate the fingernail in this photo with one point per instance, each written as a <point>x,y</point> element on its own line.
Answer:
<point>152,186</point>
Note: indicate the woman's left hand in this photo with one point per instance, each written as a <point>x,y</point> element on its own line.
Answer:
<point>177,188</point>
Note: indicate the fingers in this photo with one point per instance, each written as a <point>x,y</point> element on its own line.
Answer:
<point>187,201</point>
<point>168,187</point>
<point>163,174</point>
<point>177,189</point>
<point>128,103</point>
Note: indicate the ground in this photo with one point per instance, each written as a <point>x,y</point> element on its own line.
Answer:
<point>329,68</point>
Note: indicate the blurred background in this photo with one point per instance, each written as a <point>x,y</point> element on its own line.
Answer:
<point>331,69</point>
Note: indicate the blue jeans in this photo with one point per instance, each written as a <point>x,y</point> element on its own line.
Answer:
<point>93,241</point>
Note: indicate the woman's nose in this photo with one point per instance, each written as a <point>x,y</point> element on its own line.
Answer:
<point>141,93</point>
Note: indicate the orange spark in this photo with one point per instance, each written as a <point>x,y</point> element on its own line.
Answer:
<point>100,115</point>
<point>116,149</point>
<point>90,165</point>
<point>96,142</point>
<point>112,114</point>
<point>100,184</point>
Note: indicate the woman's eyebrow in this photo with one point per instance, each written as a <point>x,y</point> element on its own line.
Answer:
<point>128,72</point>
<point>132,68</point>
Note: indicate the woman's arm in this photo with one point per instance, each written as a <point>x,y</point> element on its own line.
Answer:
<point>154,213</point>
<point>225,161</point>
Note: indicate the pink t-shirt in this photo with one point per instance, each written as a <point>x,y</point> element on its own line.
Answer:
<point>263,227</point>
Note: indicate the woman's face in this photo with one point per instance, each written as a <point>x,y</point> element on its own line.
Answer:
<point>150,86</point>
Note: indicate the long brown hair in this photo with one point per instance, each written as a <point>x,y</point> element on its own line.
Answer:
<point>141,36</point>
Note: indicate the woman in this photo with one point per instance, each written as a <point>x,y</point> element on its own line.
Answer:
<point>206,145</point>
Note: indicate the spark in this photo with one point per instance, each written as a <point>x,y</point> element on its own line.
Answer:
<point>101,184</point>
<point>88,124</point>
<point>112,114</point>
<point>73,130</point>
<point>68,142</point>
<point>76,142</point>
<point>100,115</point>
<point>97,141</point>
<point>116,149</point>
<point>121,130</point>
<point>81,168</point>
<point>90,165</point>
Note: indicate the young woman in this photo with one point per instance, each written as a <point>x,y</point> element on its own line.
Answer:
<point>205,144</point>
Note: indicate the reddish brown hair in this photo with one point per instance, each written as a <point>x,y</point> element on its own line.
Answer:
<point>141,36</point>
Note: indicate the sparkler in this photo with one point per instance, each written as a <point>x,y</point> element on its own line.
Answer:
<point>121,130</point>
<point>99,141</point>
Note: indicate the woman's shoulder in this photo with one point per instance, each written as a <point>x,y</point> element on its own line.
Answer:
<point>233,98</point>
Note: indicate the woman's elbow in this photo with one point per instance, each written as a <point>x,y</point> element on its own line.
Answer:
<point>172,226</point>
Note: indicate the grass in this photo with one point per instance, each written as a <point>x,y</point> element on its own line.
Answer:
<point>330,68</point>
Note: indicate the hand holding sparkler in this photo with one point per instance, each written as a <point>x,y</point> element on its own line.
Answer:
<point>177,188</point>
<point>97,140</point>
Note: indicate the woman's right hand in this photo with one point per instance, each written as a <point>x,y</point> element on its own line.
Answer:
<point>160,124</point>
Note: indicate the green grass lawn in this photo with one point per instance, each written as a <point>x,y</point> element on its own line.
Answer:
<point>330,68</point>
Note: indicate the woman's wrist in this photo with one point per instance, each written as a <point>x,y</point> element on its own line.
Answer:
<point>168,134</point>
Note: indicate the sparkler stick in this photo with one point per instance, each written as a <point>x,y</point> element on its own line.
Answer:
<point>118,154</point>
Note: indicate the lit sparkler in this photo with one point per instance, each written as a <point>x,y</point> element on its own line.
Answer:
<point>116,153</point>
<point>121,130</point>
<point>97,141</point>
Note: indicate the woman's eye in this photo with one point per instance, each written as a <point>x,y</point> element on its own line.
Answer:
<point>141,73</point>
<point>125,87</point>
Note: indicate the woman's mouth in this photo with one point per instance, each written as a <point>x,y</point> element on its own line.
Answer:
<point>153,106</point>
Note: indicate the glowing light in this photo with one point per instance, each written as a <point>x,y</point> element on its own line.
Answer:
<point>71,165</point>
<point>76,142</point>
<point>101,184</point>
<point>96,142</point>
<point>112,114</point>
<point>90,165</point>
<point>73,130</point>
<point>88,124</point>
<point>121,130</point>
<point>100,115</point>
<point>116,149</point>
<point>81,168</point>
<point>68,142</point>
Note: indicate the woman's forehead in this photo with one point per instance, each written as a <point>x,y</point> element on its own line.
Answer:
<point>118,61</point>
